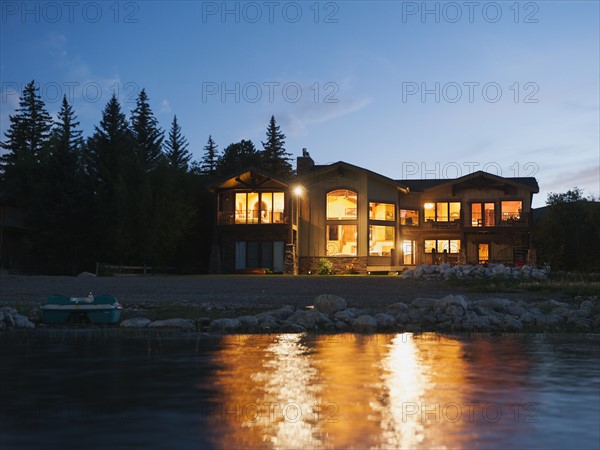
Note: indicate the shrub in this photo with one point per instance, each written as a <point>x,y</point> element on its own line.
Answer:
<point>325,267</point>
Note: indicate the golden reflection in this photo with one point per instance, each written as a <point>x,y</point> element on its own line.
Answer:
<point>342,391</point>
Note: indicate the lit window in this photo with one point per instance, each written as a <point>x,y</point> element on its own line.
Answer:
<point>381,240</point>
<point>259,207</point>
<point>511,210</point>
<point>341,240</point>
<point>482,215</point>
<point>341,205</point>
<point>381,211</point>
<point>442,212</point>
<point>409,217</point>
<point>451,246</point>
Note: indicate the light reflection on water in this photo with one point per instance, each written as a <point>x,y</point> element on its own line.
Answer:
<point>303,391</point>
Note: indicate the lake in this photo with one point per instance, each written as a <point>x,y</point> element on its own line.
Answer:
<point>107,388</point>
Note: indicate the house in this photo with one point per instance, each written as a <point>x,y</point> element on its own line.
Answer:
<point>363,222</point>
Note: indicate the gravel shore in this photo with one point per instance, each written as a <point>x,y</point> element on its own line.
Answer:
<point>239,291</point>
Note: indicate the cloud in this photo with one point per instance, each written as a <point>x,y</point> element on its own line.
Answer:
<point>165,106</point>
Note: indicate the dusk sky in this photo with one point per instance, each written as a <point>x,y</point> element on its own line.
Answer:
<point>405,89</point>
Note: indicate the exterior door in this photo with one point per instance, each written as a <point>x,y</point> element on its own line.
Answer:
<point>408,252</point>
<point>483,253</point>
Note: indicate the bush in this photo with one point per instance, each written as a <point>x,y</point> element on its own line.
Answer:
<point>325,267</point>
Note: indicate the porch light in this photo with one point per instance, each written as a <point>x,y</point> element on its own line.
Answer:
<point>429,205</point>
<point>298,191</point>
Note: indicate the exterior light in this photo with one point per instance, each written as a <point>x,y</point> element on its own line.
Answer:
<point>428,205</point>
<point>298,191</point>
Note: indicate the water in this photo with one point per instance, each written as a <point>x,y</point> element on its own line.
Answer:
<point>299,391</point>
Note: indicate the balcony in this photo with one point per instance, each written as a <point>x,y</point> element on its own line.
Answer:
<point>441,225</point>
<point>251,217</point>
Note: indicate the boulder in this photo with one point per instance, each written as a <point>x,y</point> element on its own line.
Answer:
<point>136,322</point>
<point>424,303</point>
<point>456,300</point>
<point>183,324</point>
<point>291,327</point>
<point>248,321</point>
<point>397,308</point>
<point>282,313</point>
<point>21,321</point>
<point>310,319</point>
<point>385,321</point>
<point>345,316</point>
<point>224,325</point>
<point>365,324</point>
<point>330,304</point>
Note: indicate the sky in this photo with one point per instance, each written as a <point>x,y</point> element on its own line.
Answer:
<point>406,89</point>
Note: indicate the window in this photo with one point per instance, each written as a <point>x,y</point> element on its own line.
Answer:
<point>511,210</point>
<point>442,211</point>
<point>341,205</point>
<point>381,211</point>
<point>259,207</point>
<point>341,240</point>
<point>409,217</point>
<point>381,240</point>
<point>482,215</point>
<point>452,246</point>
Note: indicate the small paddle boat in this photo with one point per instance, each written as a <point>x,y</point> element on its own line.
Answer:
<point>102,309</point>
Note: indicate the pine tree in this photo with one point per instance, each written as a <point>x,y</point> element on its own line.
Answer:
<point>176,145</point>
<point>62,203</point>
<point>110,149</point>
<point>113,171</point>
<point>147,136</point>
<point>238,156</point>
<point>26,139</point>
<point>276,160</point>
<point>210,158</point>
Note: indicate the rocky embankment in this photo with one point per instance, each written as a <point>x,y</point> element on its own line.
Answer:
<point>470,272</point>
<point>450,313</point>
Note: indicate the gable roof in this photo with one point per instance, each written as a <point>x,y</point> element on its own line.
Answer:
<point>475,180</point>
<point>248,178</point>
<point>340,166</point>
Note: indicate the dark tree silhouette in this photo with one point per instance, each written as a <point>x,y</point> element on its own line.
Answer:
<point>275,158</point>
<point>147,136</point>
<point>176,146</point>
<point>210,158</point>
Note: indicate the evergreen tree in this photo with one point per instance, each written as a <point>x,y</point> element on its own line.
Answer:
<point>210,158</point>
<point>26,139</point>
<point>147,136</point>
<point>176,145</point>
<point>276,160</point>
<point>113,170</point>
<point>238,156</point>
<point>62,204</point>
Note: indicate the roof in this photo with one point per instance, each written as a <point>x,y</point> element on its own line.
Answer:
<point>250,177</point>
<point>477,179</point>
<point>319,170</point>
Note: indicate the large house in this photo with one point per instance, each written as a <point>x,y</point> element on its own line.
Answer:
<point>364,222</point>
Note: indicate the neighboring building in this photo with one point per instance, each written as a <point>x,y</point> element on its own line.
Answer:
<point>365,222</point>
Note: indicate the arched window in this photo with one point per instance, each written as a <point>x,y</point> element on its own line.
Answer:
<point>341,204</point>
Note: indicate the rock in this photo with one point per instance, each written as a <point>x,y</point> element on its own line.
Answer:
<point>527,318</point>
<point>248,321</point>
<point>455,311</point>
<point>291,327</point>
<point>456,300</point>
<point>182,324</point>
<point>539,275</point>
<point>86,274</point>
<point>21,321</point>
<point>409,273</point>
<point>345,316</point>
<point>9,319</point>
<point>424,303</point>
<point>8,310</point>
<point>310,319</point>
<point>365,324</point>
<point>136,322</point>
<point>515,310</point>
<point>549,321</point>
<point>496,304</point>
<point>330,304</point>
<point>397,308</point>
<point>224,325</point>
<point>581,324</point>
<point>341,326</point>
<point>282,313</point>
<point>587,306</point>
<point>510,323</point>
<point>385,320</point>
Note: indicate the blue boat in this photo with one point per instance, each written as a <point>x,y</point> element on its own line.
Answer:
<point>100,309</point>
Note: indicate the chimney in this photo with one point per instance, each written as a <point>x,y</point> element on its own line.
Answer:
<point>304,163</point>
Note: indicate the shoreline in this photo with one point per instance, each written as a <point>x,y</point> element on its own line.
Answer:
<point>247,304</point>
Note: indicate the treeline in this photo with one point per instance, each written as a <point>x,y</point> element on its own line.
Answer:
<point>567,233</point>
<point>127,194</point>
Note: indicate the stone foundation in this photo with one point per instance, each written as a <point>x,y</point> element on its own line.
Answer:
<point>341,264</point>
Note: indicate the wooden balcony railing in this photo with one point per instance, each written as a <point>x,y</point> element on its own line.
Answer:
<point>251,217</point>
